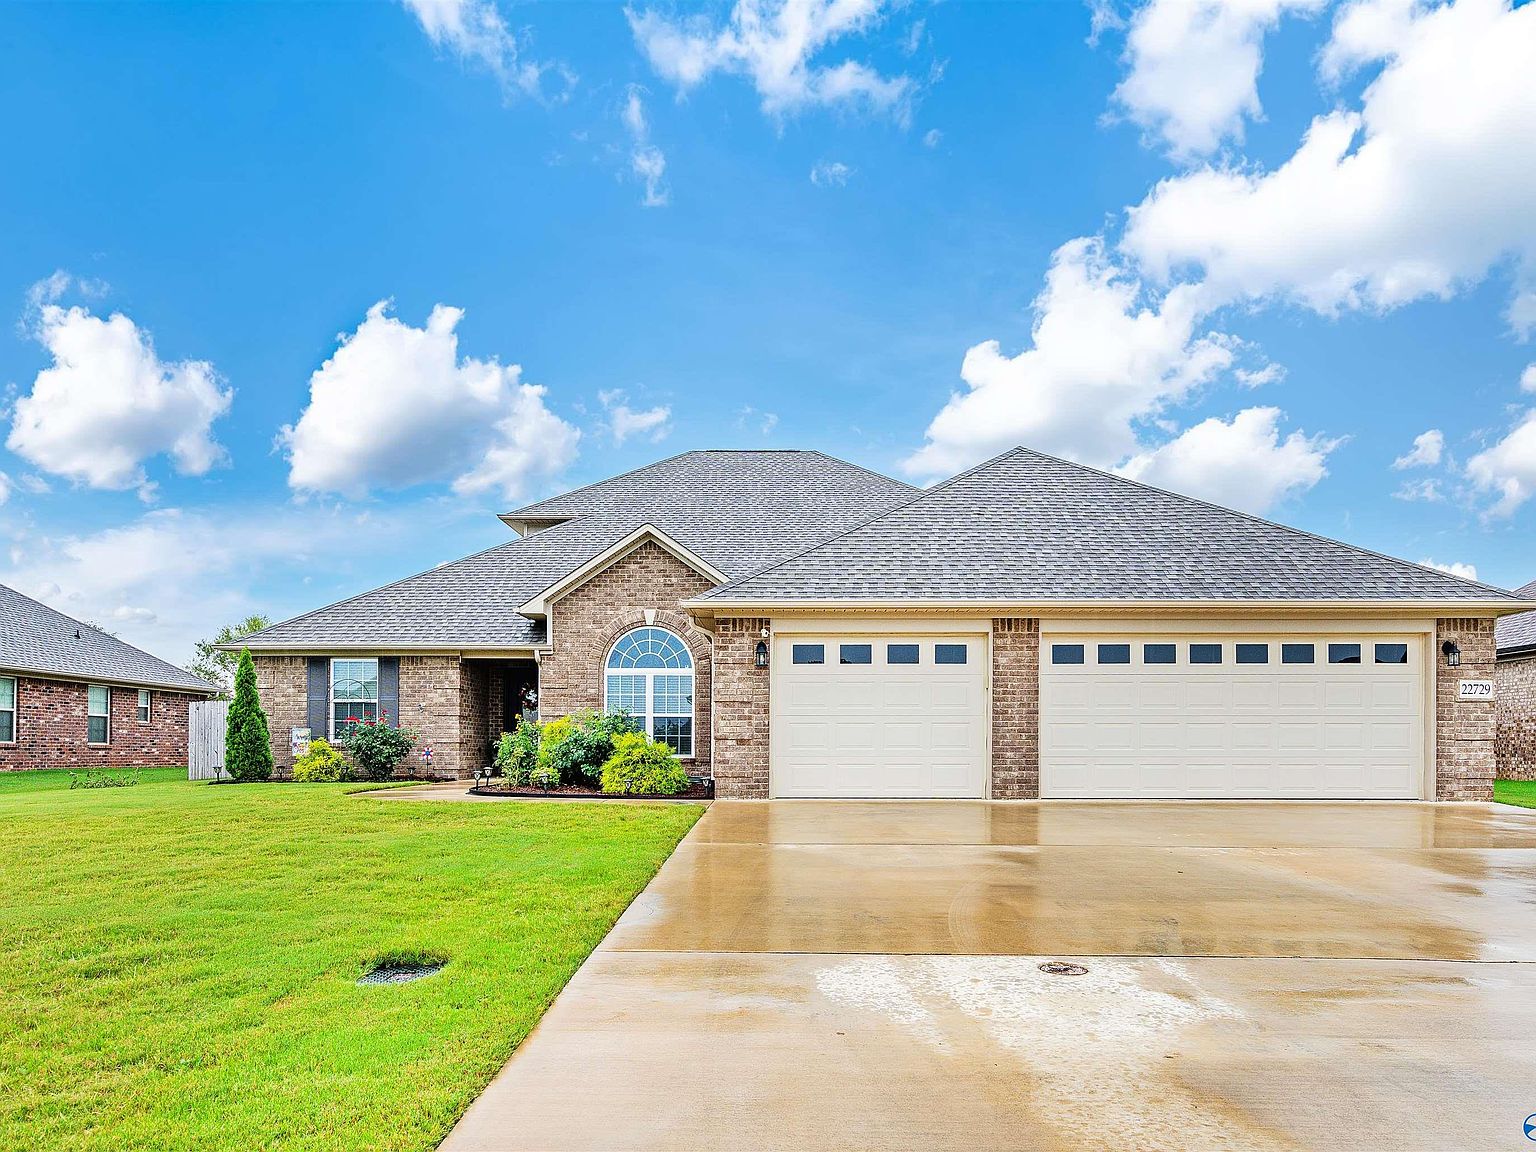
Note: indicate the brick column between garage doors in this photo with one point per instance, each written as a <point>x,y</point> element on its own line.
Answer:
<point>740,711</point>
<point>1464,729</point>
<point>1015,709</point>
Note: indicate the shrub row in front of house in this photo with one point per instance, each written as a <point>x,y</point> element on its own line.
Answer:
<point>589,749</point>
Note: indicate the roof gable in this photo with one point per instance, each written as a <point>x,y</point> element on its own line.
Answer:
<point>38,639</point>
<point>539,605</point>
<point>1026,527</point>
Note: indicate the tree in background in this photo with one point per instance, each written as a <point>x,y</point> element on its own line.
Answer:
<point>218,667</point>
<point>247,743</point>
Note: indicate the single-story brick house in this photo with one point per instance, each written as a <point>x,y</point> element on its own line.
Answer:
<point>797,626</point>
<point>72,696</point>
<point>1514,679</point>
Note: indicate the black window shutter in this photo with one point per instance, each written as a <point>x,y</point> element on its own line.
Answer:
<point>319,697</point>
<point>389,688</point>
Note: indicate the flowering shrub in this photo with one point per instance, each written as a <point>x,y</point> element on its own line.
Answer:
<point>518,753</point>
<point>322,764</point>
<point>376,748</point>
<point>642,765</point>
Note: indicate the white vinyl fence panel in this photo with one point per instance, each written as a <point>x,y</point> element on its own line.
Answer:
<point>205,740</point>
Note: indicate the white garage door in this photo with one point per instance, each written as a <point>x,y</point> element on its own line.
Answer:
<point>884,715</point>
<point>1285,717</point>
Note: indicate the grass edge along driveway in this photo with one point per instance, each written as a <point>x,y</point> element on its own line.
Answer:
<point>1521,793</point>
<point>181,958</point>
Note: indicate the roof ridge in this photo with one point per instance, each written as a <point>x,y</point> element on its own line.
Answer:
<point>919,494</point>
<point>1126,480</point>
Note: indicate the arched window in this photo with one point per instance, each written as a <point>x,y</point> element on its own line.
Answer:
<point>650,676</point>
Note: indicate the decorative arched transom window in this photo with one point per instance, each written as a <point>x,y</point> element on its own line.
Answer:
<point>650,676</point>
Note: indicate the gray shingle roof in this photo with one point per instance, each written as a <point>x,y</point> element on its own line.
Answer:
<point>37,639</point>
<point>1028,527</point>
<point>740,511</point>
<point>1517,633</point>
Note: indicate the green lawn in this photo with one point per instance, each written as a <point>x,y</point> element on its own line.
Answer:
<point>1520,792</point>
<point>179,959</point>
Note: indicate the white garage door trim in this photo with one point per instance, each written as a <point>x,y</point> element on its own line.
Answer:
<point>1130,728</point>
<point>881,729</point>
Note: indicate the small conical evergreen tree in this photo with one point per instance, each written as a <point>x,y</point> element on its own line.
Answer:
<point>247,743</point>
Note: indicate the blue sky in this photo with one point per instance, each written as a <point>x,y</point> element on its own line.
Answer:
<point>303,294</point>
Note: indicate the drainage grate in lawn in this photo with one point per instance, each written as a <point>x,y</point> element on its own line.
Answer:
<point>400,973</point>
<point>1062,968</point>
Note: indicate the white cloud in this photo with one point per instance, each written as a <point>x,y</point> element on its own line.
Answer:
<point>646,161</point>
<point>624,421</point>
<point>830,174</point>
<point>108,402</point>
<point>1243,464</point>
<point>775,43</point>
<point>5,487</point>
<point>171,576</point>
<point>932,137</point>
<point>1507,470</point>
<point>1428,491</point>
<point>1103,357</point>
<point>475,31</point>
<point>1427,449</point>
<point>764,422</point>
<point>396,406</point>
<point>1194,68</point>
<point>1376,208</point>
<point>1528,379</point>
<point>1463,571</point>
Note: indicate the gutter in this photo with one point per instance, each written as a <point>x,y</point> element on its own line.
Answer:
<point>110,681</point>
<point>718,606</point>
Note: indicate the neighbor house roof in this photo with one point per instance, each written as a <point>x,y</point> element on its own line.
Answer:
<point>1030,528</point>
<point>1516,635</point>
<point>738,511</point>
<point>38,640</point>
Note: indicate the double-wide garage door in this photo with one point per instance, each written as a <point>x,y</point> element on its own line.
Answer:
<point>893,715</point>
<point>1283,716</point>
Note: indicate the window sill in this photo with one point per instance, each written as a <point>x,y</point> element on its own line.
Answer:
<point>108,744</point>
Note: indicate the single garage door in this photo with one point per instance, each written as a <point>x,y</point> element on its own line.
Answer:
<point>879,716</point>
<point>1292,717</point>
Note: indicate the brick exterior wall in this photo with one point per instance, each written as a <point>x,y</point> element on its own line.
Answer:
<point>741,711</point>
<point>1015,709</point>
<point>51,728</point>
<point>1464,730</point>
<point>585,622</point>
<point>1514,741</point>
<point>432,695</point>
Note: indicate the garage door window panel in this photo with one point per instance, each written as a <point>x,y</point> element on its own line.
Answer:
<point>949,653</point>
<point>902,653</point>
<point>1114,653</point>
<point>1205,653</point>
<point>650,676</point>
<point>855,654</point>
<point>808,654</point>
<point>1159,653</point>
<point>1391,653</point>
<point>1298,654</point>
<point>1343,653</point>
<point>1066,653</point>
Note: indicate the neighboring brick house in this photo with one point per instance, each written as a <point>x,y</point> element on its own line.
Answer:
<point>72,696</point>
<point>797,626</point>
<point>1514,679</point>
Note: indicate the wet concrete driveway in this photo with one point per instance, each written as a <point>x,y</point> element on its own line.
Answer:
<point>820,974</point>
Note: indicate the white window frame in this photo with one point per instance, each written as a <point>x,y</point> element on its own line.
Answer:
<point>648,678</point>
<point>146,706</point>
<point>14,709</point>
<point>89,715</point>
<point>362,701</point>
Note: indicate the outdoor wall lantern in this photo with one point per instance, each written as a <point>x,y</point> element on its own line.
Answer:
<point>762,654</point>
<point>1452,654</point>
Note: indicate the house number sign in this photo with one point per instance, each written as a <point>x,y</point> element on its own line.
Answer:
<point>1474,690</point>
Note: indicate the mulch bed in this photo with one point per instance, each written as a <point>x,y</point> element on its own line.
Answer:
<point>698,790</point>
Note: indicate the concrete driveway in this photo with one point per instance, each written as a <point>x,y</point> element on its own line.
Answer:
<point>839,975</point>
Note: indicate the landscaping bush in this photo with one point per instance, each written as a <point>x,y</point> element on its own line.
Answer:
<point>640,764</point>
<point>247,743</point>
<point>322,764</point>
<point>518,753</point>
<point>574,748</point>
<point>376,748</point>
<point>96,778</point>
